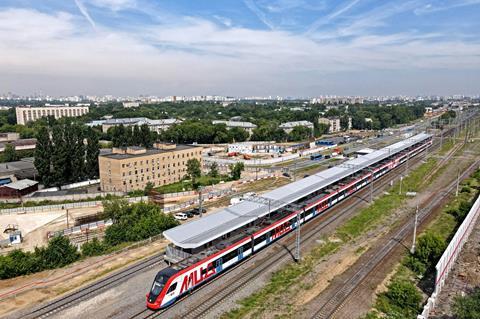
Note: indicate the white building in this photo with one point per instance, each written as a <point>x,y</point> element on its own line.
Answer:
<point>131,104</point>
<point>28,114</point>
<point>153,125</point>
<point>254,147</point>
<point>247,126</point>
<point>333,124</point>
<point>289,126</point>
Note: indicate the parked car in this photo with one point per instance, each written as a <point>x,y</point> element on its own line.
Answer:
<point>196,211</point>
<point>286,175</point>
<point>181,216</point>
<point>189,213</point>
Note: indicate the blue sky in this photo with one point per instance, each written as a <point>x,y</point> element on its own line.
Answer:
<point>249,47</point>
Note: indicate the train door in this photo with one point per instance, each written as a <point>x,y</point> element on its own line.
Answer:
<point>269,238</point>
<point>219,265</point>
<point>240,253</point>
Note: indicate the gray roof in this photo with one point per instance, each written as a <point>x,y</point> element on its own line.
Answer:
<point>235,124</point>
<point>22,184</point>
<point>150,151</point>
<point>296,123</point>
<point>198,232</point>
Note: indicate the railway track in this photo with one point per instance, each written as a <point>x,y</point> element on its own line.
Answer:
<point>239,281</point>
<point>337,301</point>
<point>94,288</point>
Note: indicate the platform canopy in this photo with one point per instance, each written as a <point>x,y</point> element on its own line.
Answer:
<point>212,226</point>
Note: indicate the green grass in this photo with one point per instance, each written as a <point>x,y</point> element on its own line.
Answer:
<point>186,185</point>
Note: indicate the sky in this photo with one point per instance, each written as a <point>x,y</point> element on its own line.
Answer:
<point>240,48</point>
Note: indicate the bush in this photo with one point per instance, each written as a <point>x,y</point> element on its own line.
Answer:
<point>93,248</point>
<point>59,252</point>
<point>429,249</point>
<point>415,265</point>
<point>467,307</point>
<point>134,222</point>
<point>402,300</point>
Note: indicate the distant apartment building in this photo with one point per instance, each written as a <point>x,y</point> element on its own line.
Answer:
<point>289,126</point>
<point>131,104</point>
<point>333,124</point>
<point>29,113</point>
<point>131,168</point>
<point>255,147</point>
<point>153,125</point>
<point>247,126</point>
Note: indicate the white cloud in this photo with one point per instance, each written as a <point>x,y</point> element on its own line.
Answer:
<point>197,56</point>
<point>114,5</point>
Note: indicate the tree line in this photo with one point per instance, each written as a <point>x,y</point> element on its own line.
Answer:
<point>66,152</point>
<point>131,222</point>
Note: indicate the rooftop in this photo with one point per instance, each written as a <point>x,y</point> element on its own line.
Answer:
<point>235,123</point>
<point>198,232</point>
<point>296,123</point>
<point>151,151</point>
<point>21,184</point>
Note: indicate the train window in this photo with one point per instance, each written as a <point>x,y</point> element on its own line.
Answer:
<point>172,288</point>
<point>260,239</point>
<point>230,256</point>
<point>246,246</point>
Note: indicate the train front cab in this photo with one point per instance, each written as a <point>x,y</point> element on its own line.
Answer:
<point>155,296</point>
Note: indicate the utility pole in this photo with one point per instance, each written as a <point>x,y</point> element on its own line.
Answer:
<point>406,167</point>
<point>200,201</point>
<point>458,181</point>
<point>371,185</point>
<point>68,226</point>
<point>297,239</point>
<point>412,250</point>
<point>401,181</point>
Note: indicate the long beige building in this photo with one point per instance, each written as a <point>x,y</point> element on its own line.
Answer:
<point>29,113</point>
<point>132,168</point>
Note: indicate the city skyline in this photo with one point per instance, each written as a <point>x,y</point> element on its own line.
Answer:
<point>243,48</point>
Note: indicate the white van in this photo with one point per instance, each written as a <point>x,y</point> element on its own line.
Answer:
<point>181,216</point>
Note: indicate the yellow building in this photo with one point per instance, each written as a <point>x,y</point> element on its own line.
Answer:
<point>133,167</point>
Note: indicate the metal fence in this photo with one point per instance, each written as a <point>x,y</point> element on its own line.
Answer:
<point>450,255</point>
<point>56,207</point>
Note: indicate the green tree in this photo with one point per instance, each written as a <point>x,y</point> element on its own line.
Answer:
<point>193,170</point>
<point>59,157</point>
<point>42,155</point>
<point>148,188</point>
<point>467,307</point>
<point>299,133</point>
<point>429,248</point>
<point>59,252</point>
<point>214,170</point>
<point>403,297</point>
<point>238,134</point>
<point>236,170</point>
<point>10,155</point>
<point>146,136</point>
<point>92,153</point>
<point>93,248</point>
<point>78,154</point>
<point>137,136</point>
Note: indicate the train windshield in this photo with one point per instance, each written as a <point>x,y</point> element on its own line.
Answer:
<point>156,288</point>
<point>159,283</point>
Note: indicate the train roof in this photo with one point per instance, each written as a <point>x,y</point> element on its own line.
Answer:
<point>201,231</point>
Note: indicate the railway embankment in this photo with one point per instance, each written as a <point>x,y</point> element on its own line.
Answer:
<point>294,286</point>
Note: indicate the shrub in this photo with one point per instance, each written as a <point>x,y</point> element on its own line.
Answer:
<point>429,249</point>
<point>93,248</point>
<point>467,307</point>
<point>58,253</point>
<point>402,300</point>
<point>415,265</point>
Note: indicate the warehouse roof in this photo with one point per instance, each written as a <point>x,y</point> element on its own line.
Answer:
<point>210,227</point>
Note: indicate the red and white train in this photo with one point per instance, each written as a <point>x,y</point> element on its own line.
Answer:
<point>171,283</point>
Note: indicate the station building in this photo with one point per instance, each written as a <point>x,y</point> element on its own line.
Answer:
<point>131,168</point>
